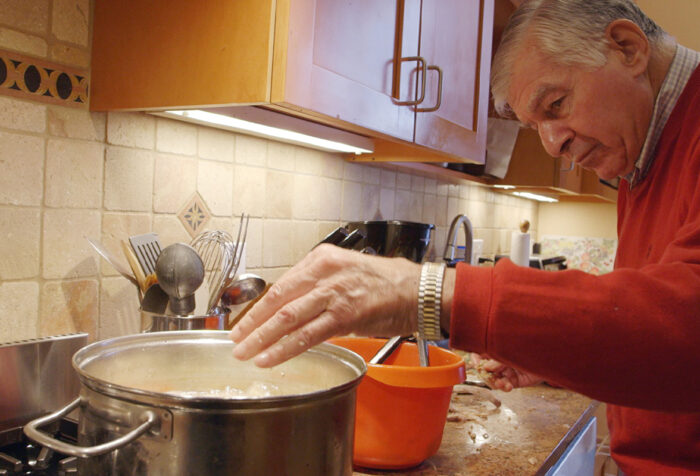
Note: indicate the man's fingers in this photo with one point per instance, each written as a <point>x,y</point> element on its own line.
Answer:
<point>314,332</point>
<point>286,320</point>
<point>491,365</point>
<point>277,296</point>
<point>295,283</point>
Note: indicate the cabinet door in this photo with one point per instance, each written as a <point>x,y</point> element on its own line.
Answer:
<point>456,37</point>
<point>340,59</point>
<point>569,176</point>
<point>163,54</point>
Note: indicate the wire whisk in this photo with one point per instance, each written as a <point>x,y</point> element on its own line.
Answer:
<point>221,256</point>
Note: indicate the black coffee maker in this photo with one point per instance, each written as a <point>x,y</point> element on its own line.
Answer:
<point>393,238</point>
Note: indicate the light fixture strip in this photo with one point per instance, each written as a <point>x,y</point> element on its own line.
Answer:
<point>534,196</point>
<point>239,125</point>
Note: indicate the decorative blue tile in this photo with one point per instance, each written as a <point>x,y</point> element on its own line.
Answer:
<point>195,215</point>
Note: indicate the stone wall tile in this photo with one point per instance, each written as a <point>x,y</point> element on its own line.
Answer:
<point>66,253</point>
<point>176,137</point>
<point>28,44</point>
<point>128,179</point>
<point>304,237</point>
<point>22,165</point>
<point>74,174</point>
<point>277,235</point>
<point>280,156</point>
<point>386,203</point>
<point>250,150</point>
<point>71,55</point>
<point>20,233</point>
<point>119,314</point>
<point>175,181</point>
<point>279,194</point>
<point>215,185</point>
<point>352,202</point>
<point>131,129</point>
<point>76,123</point>
<point>19,310</point>
<point>249,185</point>
<point>331,193</point>
<point>215,144</point>
<point>69,306</point>
<point>22,115</point>
<point>28,15</point>
<point>306,199</point>
<point>118,227</point>
<point>69,21</point>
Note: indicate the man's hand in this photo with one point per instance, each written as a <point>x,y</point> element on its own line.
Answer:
<point>331,291</point>
<point>499,376</point>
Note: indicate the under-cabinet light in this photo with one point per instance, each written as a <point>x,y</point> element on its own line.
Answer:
<point>534,196</point>
<point>504,187</point>
<point>285,135</point>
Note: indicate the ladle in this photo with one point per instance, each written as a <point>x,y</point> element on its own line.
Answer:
<point>180,272</point>
<point>245,288</point>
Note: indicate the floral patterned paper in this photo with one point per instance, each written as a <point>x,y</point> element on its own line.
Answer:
<point>589,254</point>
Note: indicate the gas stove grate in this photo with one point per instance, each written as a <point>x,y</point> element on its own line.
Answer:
<point>24,457</point>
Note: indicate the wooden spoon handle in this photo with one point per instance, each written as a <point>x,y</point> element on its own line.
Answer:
<point>135,266</point>
<point>232,322</point>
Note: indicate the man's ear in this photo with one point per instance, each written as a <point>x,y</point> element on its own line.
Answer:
<point>630,44</point>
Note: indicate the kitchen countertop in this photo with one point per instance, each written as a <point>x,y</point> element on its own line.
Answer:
<point>524,435</point>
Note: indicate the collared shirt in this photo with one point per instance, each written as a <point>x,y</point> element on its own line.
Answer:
<point>684,63</point>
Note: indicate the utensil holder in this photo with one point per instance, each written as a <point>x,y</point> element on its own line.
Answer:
<point>152,322</point>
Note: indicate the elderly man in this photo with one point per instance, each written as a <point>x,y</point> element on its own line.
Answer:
<point>605,87</point>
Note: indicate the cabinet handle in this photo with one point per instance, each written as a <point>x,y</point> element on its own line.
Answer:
<point>439,91</point>
<point>422,70</point>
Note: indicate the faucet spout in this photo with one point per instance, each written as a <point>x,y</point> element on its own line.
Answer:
<point>451,243</point>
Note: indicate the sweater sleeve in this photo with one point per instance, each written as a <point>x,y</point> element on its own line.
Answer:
<point>630,337</point>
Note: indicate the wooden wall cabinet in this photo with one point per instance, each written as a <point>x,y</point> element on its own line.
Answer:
<point>336,62</point>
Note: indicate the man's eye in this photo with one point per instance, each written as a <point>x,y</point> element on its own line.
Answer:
<point>556,104</point>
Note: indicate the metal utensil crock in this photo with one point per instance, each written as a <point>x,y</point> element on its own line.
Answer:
<point>126,430</point>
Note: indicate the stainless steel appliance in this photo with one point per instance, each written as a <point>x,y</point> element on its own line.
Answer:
<point>37,378</point>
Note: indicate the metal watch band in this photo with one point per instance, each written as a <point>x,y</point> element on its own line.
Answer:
<point>429,300</point>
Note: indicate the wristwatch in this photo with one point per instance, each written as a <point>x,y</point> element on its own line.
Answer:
<point>429,300</point>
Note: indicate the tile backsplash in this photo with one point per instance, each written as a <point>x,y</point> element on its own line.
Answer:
<point>68,174</point>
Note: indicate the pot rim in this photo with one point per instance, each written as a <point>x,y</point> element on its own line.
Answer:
<point>136,395</point>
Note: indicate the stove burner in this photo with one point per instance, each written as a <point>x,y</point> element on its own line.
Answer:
<point>27,458</point>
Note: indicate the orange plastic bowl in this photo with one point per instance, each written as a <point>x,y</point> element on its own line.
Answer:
<point>401,406</point>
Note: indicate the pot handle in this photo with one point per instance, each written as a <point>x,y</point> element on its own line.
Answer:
<point>31,429</point>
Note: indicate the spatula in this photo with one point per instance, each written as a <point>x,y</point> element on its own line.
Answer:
<point>147,248</point>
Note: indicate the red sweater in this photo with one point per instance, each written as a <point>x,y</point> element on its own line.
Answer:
<point>630,337</point>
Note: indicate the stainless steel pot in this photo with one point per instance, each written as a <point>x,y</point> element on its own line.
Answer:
<point>158,322</point>
<point>167,403</point>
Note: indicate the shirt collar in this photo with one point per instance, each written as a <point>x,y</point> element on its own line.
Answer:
<point>684,63</point>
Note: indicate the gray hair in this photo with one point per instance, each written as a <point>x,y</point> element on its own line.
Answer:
<point>570,32</point>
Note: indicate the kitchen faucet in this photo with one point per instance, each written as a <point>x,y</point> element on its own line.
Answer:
<point>451,244</point>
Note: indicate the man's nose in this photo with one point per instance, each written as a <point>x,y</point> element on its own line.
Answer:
<point>555,136</point>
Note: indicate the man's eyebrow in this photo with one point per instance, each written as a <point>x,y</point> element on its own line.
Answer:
<point>539,95</point>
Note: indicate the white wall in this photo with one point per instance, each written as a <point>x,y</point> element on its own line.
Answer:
<point>593,220</point>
